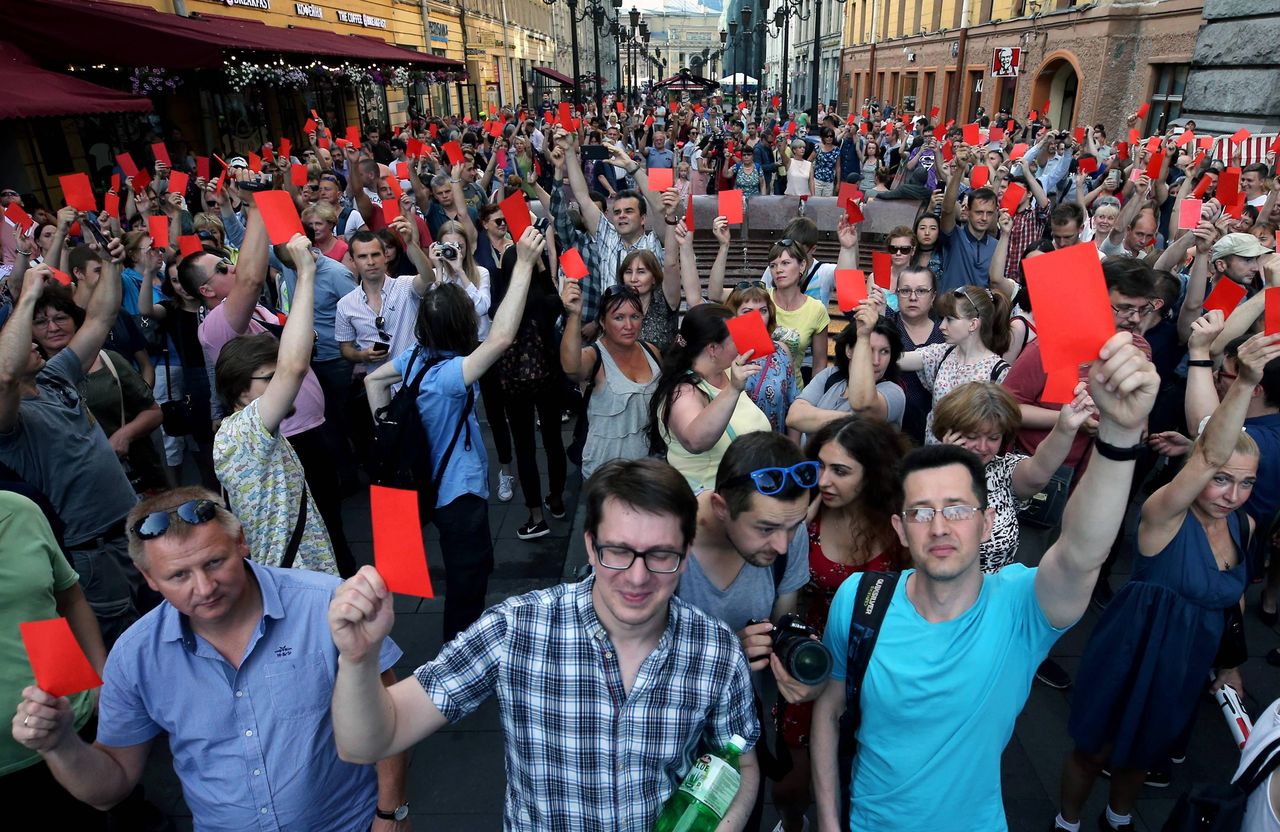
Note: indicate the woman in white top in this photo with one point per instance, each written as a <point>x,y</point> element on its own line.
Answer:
<point>452,261</point>
<point>799,181</point>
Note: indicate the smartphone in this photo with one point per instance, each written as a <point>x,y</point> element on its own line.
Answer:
<point>383,345</point>
<point>595,152</point>
<point>91,222</point>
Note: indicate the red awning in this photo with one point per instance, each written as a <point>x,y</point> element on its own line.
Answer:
<point>30,91</point>
<point>559,77</point>
<point>90,31</point>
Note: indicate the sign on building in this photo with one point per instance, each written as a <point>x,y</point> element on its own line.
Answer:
<point>1005,61</point>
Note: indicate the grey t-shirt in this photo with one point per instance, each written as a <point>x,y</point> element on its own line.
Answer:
<point>56,446</point>
<point>817,394</point>
<point>751,594</point>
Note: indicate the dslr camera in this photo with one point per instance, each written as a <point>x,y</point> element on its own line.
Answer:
<point>806,659</point>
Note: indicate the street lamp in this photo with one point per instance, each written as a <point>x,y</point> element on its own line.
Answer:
<point>782,17</point>
<point>746,35</point>
<point>595,9</point>
<point>817,58</point>
<point>733,76</point>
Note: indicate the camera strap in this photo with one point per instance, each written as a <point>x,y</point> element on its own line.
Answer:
<point>875,592</point>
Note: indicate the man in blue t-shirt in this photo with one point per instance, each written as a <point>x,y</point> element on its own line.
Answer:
<point>966,248</point>
<point>957,650</point>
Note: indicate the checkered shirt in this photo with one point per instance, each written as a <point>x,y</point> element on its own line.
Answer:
<point>570,236</point>
<point>1028,226</point>
<point>581,753</point>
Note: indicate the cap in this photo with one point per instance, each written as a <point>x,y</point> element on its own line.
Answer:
<point>1241,245</point>
<point>237,162</point>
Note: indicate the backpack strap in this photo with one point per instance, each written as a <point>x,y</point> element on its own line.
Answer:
<point>1260,769</point>
<point>999,369</point>
<point>875,592</point>
<point>779,570</point>
<point>457,431</point>
<point>591,379</point>
<point>295,538</point>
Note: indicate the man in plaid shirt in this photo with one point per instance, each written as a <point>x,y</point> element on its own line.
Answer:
<point>608,688</point>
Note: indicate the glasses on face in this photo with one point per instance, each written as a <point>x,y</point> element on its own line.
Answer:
<point>769,481</point>
<point>952,514</point>
<point>1133,311</point>
<point>8,193</point>
<point>61,320</point>
<point>914,293</point>
<point>223,267</point>
<point>381,324</point>
<point>192,512</point>
<point>901,249</point>
<point>751,284</point>
<point>658,561</point>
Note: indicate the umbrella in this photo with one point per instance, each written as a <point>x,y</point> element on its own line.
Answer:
<point>737,79</point>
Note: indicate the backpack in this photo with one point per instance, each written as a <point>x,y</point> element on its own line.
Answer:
<point>402,448</point>
<point>1218,808</point>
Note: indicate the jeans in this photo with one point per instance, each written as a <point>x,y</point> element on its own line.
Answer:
<point>548,403</point>
<point>111,584</point>
<point>334,376</point>
<point>467,547</point>
<point>316,453</point>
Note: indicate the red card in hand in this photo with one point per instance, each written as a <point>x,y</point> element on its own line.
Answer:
<point>777,100</point>
<point>995,134</point>
<point>111,204</point>
<point>298,175</point>
<point>1271,313</point>
<point>1189,213</point>
<point>1033,116</point>
<point>323,142</point>
<point>1143,109</point>
<point>189,244</point>
<point>453,151</point>
<point>730,206</point>
<point>1013,195</point>
<point>1153,144</point>
<point>1134,137</point>
<point>61,276</point>
<point>161,153</point>
<point>390,211</point>
<point>286,149</point>
<point>398,551</point>
<point>1068,283</point>
<point>19,217</point>
<point>882,269</point>
<point>255,162</point>
<point>1226,295</point>
<point>202,168</point>
<point>1087,164</point>
<point>1018,151</point>
<point>58,662</point>
<point>127,165</point>
<point>1154,164</point>
<point>660,179</point>
<point>515,209</point>
<point>1079,135</point>
<point>947,152</point>
<point>394,185</point>
<point>1235,207</point>
<point>575,268</point>
<point>413,148</point>
<point>353,136</point>
<point>77,191</point>
<point>1228,183</point>
<point>268,155</point>
<point>1184,137</point>
<point>688,215</point>
<point>849,195</point>
<point>851,288</point>
<point>1202,187</point>
<point>279,215</point>
<point>178,182</point>
<point>566,117</point>
<point>648,121</point>
<point>158,227</point>
<point>749,333</point>
<point>972,135</point>
<point>853,214</point>
<point>402,170</point>
<point>979,176</point>
<point>1122,151</point>
<point>939,132</point>
<point>1240,136</point>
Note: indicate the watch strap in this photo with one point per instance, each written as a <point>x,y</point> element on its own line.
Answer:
<point>1116,453</point>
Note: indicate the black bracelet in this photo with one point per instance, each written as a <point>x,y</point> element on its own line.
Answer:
<point>1117,453</point>
<point>1200,362</point>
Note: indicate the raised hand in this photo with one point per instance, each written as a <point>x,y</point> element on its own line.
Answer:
<point>1123,383</point>
<point>741,371</point>
<point>361,615</point>
<point>42,721</point>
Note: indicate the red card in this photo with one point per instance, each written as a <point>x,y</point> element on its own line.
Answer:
<point>286,149</point>
<point>1154,164</point>
<point>115,183</point>
<point>566,117</point>
<point>111,204</point>
<point>619,105</point>
<point>19,217</point>
<point>1240,136</point>
<point>390,211</point>
<point>862,128</point>
<point>948,153</point>
<point>279,214</point>
<point>940,133</point>
<point>1226,295</point>
<point>1271,313</point>
<point>1204,142</point>
<point>413,147</point>
<point>178,182</point>
<point>1228,183</point>
<point>77,191</point>
<point>158,227</point>
<point>58,662</point>
<point>730,206</point>
<point>141,181</point>
<point>697,108</point>
<point>1195,165</point>
<point>268,155</point>
<point>1184,137</point>
<point>127,165</point>
<point>777,101</point>
<point>848,193</point>
<point>1153,144</point>
<point>648,121</point>
<point>995,134</point>
<point>575,268</point>
<point>309,127</point>
<point>434,130</point>
<point>1202,187</point>
<point>972,135</point>
<point>61,276</point>
<point>1013,195</point>
<point>515,209</point>
<point>688,215</point>
<point>398,551</point>
<point>1234,208</point>
<point>932,113</point>
<point>1033,116</point>
<point>979,176</point>
<point>1079,135</point>
<point>353,136</point>
<point>453,151</point>
<point>323,142</point>
<point>1018,151</point>
<point>1143,109</point>
<point>749,333</point>
<point>1134,136</point>
<point>1069,285</point>
<point>222,180</point>
<point>851,288</point>
<point>298,175</point>
<point>394,185</point>
<point>202,168</point>
<point>255,162</point>
<point>882,269</point>
<point>1122,151</point>
<point>1189,213</point>
<point>660,179</point>
<point>161,153</point>
<point>189,244</point>
<point>853,214</point>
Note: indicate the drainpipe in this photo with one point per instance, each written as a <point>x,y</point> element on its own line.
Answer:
<point>871,61</point>
<point>506,56</point>
<point>953,103</point>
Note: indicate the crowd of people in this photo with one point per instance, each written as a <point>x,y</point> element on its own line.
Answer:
<point>186,397</point>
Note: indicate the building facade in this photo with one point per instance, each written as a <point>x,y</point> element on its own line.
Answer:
<point>1093,63</point>
<point>816,27</point>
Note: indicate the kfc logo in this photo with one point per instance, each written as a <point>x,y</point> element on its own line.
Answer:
<point>1005,61</point>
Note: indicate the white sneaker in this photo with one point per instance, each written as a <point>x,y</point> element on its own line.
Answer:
<point>506,487</point>
<point>803,828</point>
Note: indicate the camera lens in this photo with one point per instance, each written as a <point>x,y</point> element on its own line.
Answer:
<point>806,660</point>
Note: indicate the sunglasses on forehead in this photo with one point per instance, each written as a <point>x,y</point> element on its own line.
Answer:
<point>192,512</point>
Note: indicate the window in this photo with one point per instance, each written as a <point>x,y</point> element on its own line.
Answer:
<point>1166,96</point>
<point>985,13</point>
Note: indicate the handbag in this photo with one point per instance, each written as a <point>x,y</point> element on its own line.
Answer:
<point>176,413</point>
<point>524,368</point>
<point>1217,808</point>
<point>1045,508</point>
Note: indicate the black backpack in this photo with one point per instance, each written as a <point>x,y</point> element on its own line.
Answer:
<point>1218,808</point>
<point>402,449</point>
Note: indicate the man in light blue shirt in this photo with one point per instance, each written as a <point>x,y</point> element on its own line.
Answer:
<point>237,667</point>
<point>957,650</point>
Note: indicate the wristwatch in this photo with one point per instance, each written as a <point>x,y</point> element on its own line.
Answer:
<point>401,812</point>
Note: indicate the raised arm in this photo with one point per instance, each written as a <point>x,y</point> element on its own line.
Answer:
<point>1033,473</point>
<point>672,274</point>
<point>578,182</point>
<point>1132,206</point>
<point>1201,398</point>
<point>104,306</point>
<point>861,391</point>
<point>947,222</point>
<point>251,271</point>
<point>699,424</point>
<point>1123,384</point>
<point>573,358</point>
<point>16,346</point>
<point>1198,282</point>
<point>689,281</point>
<point>294,358</point>
<point>848,236</point>
<point>715,281</point>
<point>1242,318</point>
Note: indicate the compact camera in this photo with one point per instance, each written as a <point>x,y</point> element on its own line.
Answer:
<point>448,251</point>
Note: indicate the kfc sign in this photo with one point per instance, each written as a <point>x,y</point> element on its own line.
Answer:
<point>1005,61</point>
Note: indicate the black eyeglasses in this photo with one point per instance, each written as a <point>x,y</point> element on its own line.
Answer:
<point>751,284</point>
<point>658,561</point>
<point>381,323</point>
<point>192,512</point>
<point>769,481</point>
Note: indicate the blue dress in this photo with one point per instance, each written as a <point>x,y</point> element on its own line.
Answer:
<point>774,389</point>
<point>1149,658</point>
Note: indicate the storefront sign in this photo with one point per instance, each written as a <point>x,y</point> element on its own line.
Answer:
<point>265,5</point>
<point>439,31</point>
<point>308,10</point>
<point>1005,61</point>
<point>358,19</point>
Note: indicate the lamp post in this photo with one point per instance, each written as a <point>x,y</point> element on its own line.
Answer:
<point>733,75</point>
<point>644,49</point>
<point>595,9</point>
<point>615,32</point>
<point>746,36</point>
<point>817,58</point>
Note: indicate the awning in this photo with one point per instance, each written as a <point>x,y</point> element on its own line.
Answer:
<point>116,33</point>
<point>30,91</point>
<point>559,77</point>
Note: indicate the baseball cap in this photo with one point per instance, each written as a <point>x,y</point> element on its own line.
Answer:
<point>237,162</point>
<point>1241,245</point>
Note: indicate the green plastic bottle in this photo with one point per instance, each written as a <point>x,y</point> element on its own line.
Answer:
<point>703,798</point>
